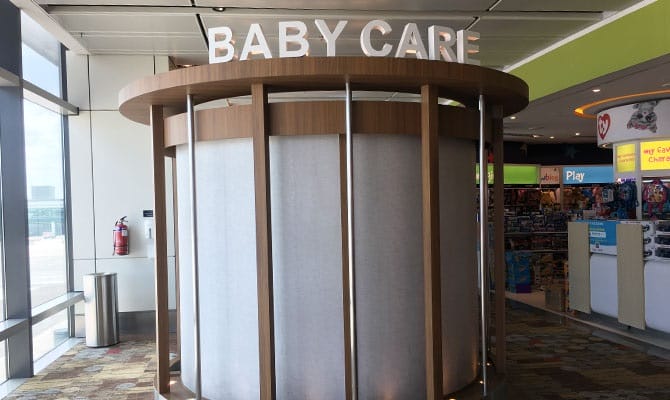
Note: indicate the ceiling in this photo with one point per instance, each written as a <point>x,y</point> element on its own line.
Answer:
<point>510,30</point>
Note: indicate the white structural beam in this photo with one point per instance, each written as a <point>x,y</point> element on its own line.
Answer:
<point>52,26</point>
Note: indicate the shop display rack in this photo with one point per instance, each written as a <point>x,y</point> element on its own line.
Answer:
<point>536,245</point>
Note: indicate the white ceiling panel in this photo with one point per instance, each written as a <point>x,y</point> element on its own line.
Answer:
<point>240,26</point>
<point>167,24</point>
<point>145,44</point>
<point>510,30</point>
<point>353,5</point>
<point>564,5</point>
<point>524,28</point>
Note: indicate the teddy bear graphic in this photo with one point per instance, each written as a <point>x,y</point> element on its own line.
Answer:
<point>644,116</point>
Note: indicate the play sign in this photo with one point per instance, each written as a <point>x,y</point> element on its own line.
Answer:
<point>583,175</point>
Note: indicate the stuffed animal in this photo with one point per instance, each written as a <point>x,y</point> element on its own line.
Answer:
<point>644,116</point>
<point>655,194</point>
<point>547,199</point>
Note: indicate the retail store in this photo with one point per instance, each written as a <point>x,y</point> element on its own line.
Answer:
<point>297,206</point>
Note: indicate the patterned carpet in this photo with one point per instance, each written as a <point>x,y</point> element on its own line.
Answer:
<point>551,358</point>
<point>122,372</point>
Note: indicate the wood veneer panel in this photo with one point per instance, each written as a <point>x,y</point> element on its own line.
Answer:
<point>175,130</point>
<point>386,117</point>
<point>630,275</point>
<point>263,243</point>
<point>160,260</point>
<point>307,118</point>
<point>323,118</point>
<point>431,241</point>
<point>463,123</point>
<point>460,82</point>
<point>579,267</point>
<point>211,124</point>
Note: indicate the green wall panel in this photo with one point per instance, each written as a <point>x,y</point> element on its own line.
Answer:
<point>637,37</point>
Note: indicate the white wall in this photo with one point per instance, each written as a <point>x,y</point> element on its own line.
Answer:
<point>112,176</point>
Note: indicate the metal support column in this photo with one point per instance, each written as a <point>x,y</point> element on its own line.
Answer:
<point>350,245</point>
<point>190,121</point>
<point>483,240</point>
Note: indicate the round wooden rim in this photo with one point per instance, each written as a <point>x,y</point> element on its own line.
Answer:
<point>461,82</point>
<point>324,118</point>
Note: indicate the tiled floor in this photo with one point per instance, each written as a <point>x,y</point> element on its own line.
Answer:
<point>549,358</point>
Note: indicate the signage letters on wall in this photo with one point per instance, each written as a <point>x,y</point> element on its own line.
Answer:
<point>293,42</point>
<point>587,175</point>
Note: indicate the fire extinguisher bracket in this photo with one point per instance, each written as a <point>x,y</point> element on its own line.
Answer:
<point>120,238</point>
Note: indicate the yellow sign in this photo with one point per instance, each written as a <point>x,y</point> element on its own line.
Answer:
<point>625,158</point>
<point>655,155</point>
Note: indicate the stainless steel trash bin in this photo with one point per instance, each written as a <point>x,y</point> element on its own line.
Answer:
<point>101,309</point>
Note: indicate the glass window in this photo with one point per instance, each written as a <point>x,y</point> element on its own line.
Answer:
<point>40,54</point>
<point>3,316</point>
<point>46,206</point>
<point>49,333</point>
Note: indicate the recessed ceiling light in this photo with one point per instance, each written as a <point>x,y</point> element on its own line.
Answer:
<point>219,9</point>
<point>512,117</point>
<point>536,136</point>
<point>551,137</point>
<point>596,90</point>
<point>577,133</point>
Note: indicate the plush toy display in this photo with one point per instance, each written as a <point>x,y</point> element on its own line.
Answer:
<point>547,199</point>
<point>654,196</point>
<point>627,200</point>
<point>644,116</point>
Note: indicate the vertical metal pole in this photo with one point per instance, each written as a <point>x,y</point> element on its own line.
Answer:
<point>350,245</point>
<point>483,238</point>
<point>190,120</point>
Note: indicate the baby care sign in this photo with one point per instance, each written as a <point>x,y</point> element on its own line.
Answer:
<point>442,43</point>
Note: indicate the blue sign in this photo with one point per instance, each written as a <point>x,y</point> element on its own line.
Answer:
<point>602,236</point>
<point>580,175</point>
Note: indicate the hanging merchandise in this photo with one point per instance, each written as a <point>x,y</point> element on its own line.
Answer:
<point>627,200</point>
<point>601,201</point>
<point>609,194</point>
<point>654,197</point>
<point>120,238</point>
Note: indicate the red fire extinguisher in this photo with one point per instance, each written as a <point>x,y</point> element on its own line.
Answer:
<point>120,238</point>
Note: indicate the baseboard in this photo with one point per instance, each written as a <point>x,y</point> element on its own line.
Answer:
<point>136,322</point>
<point>139,322</point>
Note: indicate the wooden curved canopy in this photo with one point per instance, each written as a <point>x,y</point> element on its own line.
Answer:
<point>461,82</point>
